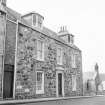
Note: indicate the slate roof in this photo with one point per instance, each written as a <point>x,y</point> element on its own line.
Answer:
<point>55,36</point>
<point>13,14</point>
<point>17,16</point>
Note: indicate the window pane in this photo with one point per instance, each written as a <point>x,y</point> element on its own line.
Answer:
<point>39,21</point>
<point>39,87</point>
<point>40,83</point>
<point>59,56</point>
<point>39,76</point>
<point>59,51</point>
<point>74,82</point>
<point>73,60</point>
<point>58,59</point>
<point>39,54</point>
<point>39,45</point>
<point>34,20</point>
<point>39,24</point>
<point>40,50</point>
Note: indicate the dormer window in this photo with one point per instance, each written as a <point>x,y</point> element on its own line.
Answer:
<point>40,22</point>
<point>35,19</point>
<point>70,38</point>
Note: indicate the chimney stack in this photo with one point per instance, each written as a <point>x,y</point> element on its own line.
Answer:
<point>3,2</point>
<point>65,35</point>
<point>63,29</point>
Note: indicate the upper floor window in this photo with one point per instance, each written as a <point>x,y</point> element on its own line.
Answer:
<point>73,61</point>
<point>34,20</point>
<point>74,83</point>
<point>71,39</point>
<point>40,50</point>
<point>59,56</point>
<point>37,20</point>
<point>39,82</point>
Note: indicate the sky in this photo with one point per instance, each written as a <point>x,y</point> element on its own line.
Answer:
<point>85,19</point>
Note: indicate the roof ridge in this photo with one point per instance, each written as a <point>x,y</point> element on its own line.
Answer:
<point>45,30</point>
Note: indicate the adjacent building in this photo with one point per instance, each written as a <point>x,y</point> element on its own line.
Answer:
<point>36,62</point>
<point>92,83</point>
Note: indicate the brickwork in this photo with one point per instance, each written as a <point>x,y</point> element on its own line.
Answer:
<point>27,65</point>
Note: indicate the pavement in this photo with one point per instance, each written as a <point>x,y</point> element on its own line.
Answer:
<point>87,100</point>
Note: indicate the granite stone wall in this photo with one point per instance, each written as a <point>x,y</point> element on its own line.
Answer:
<point>27,65</point>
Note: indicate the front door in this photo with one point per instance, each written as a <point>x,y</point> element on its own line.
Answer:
<point>59,84</point>
<point>8,81</point>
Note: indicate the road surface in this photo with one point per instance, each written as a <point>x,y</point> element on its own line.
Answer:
<point>97,100</point>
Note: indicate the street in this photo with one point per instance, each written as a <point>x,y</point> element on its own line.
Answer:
<point>97,100</point>
<point>79,101</point>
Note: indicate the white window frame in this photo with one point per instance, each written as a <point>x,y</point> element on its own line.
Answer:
<point>37,21</point>
<point>71,39</point>
<point>42,85</point>
<point>40,22</point>
<point>42,51</point>
<point>74,83</point>
<point>60,61</point>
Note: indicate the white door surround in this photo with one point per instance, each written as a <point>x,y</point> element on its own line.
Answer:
<point>62,84</point>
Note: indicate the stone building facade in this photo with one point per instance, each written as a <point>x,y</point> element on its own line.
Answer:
<point>36,62</point>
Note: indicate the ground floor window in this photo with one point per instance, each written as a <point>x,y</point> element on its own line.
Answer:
<point>74,83</point>
<point>39,82</point>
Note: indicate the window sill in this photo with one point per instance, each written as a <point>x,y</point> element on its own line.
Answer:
<point>40,60</point>
<point>73,90</point>
<point>59,64</point>
<point>74,67</point>
<point>40,92</point>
